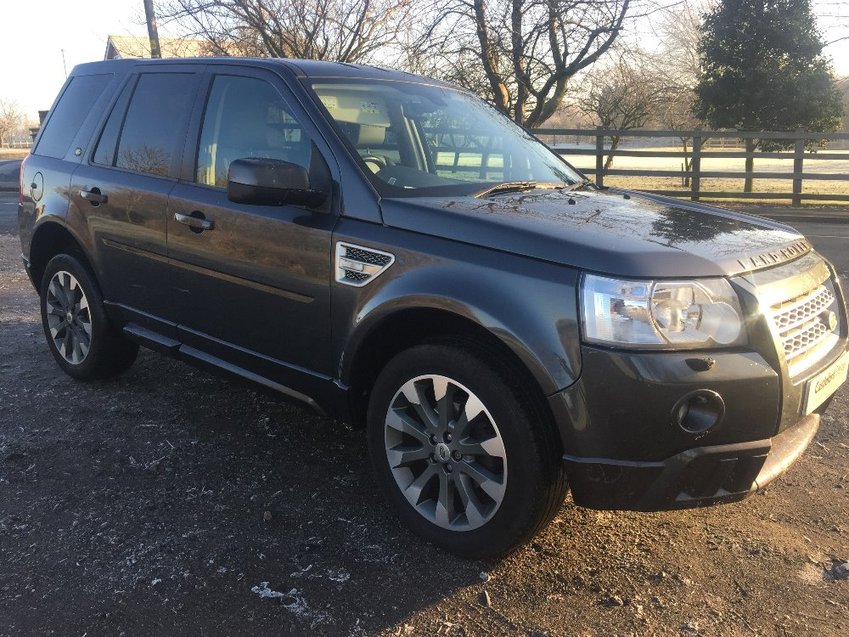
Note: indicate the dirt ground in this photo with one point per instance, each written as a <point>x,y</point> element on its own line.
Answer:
<point>171,502</point>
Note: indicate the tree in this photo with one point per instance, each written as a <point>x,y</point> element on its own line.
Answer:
<point>340,30</point>
<point>843,88</point>
<point>519,54</point>
<point>763,69</point>
<point>622,96</point>
<point>679,30</point>
<point>11,118</point>
<point>676,67</point>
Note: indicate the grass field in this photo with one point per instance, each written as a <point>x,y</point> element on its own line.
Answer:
<point>839,168</point>
<point>13,153</point>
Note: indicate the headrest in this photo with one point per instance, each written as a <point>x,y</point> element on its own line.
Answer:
<point>370,135</point>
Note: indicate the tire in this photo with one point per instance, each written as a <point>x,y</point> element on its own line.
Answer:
<point>82,340</point>
<point>477,472</point>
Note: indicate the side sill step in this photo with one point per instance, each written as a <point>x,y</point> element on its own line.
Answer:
<point>150,339</point>
<point>213,363</point>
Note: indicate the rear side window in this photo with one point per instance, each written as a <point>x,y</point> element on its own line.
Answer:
<point>149,134</point>
<point>68,115</point>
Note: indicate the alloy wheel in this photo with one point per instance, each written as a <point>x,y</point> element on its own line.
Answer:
<point>445,452</point>
<point>68,317</point>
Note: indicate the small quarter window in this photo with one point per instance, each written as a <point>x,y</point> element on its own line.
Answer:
<point>106,149</point>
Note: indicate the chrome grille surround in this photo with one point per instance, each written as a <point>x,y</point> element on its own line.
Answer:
<point>800,302</point>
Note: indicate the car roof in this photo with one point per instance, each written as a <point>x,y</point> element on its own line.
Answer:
<point>312,69</point>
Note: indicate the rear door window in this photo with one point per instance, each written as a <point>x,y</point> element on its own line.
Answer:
<point>150,130</point>
<point>69,114</point>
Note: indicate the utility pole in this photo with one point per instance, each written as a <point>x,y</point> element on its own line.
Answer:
<point>152,33</point>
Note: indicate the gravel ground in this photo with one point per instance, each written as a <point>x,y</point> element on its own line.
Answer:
<point>171,502</point>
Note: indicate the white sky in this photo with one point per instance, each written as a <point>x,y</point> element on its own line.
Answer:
<point>31,54</point>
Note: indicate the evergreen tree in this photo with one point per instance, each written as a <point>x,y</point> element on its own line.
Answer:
<point>762,69</point>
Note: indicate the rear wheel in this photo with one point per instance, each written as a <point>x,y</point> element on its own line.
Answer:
<point>466,463</point>
<point>81,338</point>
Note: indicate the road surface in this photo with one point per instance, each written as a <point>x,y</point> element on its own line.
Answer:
<point>829,239</point>
<point>8,213</point>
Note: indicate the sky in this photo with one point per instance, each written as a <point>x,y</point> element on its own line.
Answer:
<point>34,61</point>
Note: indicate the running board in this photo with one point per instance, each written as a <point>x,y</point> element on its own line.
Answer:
<point>164,345</point>
<point>202,359</point>
<point>150,339</point>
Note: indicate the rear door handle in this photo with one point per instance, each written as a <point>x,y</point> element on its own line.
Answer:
<point>94,196</point>
<point>194,220</point>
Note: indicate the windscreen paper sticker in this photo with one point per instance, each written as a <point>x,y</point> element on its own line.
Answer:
<point>370,108</point>
<point>330,102</point>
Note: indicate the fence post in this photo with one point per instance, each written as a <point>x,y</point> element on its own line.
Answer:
<point>696,166</point>
<point>599,159</point>
<point>798,152</point>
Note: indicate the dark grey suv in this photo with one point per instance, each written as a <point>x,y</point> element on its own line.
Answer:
<point>391,251</point>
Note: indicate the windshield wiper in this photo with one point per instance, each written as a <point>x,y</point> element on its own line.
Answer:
<point>579,185</point>
<point>517,186</point>
<point>507,186</point>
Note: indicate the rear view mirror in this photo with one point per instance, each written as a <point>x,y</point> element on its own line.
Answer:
<point>271,182</point>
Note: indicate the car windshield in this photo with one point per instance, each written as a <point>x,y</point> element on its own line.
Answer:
<point>419,140</point>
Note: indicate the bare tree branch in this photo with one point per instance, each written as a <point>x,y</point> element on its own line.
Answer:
<point>522,52</point>
<point>11,119</point>
<point>341,30</point>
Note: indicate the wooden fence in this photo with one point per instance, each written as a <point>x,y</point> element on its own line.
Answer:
<point>697,152</point>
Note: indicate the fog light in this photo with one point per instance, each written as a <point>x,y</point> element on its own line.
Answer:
<point>699,411</point>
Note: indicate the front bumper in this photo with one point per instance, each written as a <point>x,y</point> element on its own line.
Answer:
<point>626,447</point>
<point>696,477</point>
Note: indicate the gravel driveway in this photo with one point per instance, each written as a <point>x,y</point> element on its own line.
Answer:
<point>171,502</point>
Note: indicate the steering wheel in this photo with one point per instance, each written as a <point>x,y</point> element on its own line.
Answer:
<point>375,163</point>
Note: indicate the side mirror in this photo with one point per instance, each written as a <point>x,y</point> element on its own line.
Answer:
<point>271,182</point>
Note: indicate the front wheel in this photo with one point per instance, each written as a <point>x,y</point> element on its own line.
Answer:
<point>467,464</point>
<point>81,338</point>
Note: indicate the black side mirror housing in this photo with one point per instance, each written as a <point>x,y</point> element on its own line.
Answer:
<point>271,182</point>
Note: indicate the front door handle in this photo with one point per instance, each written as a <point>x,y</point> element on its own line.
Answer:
<point>94,196</point>
<point>195,221</point>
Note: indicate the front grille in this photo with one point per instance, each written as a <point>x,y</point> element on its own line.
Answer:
<point>800,341</point>
<point>790,314</point>
<point>807,326</point>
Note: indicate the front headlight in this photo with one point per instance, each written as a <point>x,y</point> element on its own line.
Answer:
<point>684,314</point>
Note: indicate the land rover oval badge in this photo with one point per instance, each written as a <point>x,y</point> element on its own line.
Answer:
<point>830,319</point>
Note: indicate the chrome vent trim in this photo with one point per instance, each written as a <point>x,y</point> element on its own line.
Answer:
<point>359,265</point>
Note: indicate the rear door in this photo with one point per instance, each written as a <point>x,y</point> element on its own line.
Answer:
<point>122,190</point>
<point>254,288</point>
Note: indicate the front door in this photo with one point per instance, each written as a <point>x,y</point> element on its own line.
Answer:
<point>253,287</point>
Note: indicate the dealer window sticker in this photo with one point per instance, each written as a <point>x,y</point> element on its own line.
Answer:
<point>331,102</point>
<point>370,108</point>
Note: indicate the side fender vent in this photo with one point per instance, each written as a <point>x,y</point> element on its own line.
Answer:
<point>358,265</point>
